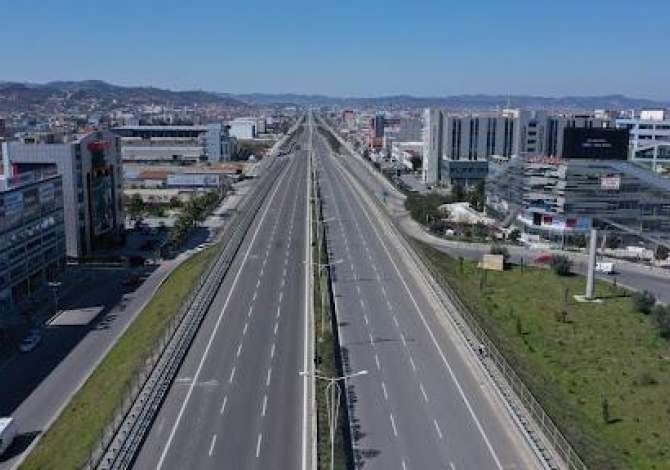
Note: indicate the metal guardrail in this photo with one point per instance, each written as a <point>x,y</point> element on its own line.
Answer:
<point>123,437</point>
<point>507,380</point>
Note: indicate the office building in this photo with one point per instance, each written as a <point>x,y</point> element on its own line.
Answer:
<point>649,137</point>
<point>92,185</point>
<point>244,128</point>
<point>376,132</point>
<point>176,144</point>
<point>555,198</point>
<point>32,234</point>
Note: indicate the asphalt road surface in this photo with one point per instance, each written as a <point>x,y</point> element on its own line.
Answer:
<point>238,401</point>
<point>423,405</point>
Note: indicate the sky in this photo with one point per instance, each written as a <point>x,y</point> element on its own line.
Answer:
<point>345,48</point>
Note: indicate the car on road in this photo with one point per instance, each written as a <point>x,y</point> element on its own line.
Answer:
<point>31,341</point>
<point>7,433</point>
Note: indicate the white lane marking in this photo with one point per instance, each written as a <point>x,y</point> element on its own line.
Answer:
<point>253,299</point>
<point>377,361</point>
<point>461,392</point>
<point>272,351</point>
<point>281,296</point>
<point>284,273</point>
<point>437,428</point>
<point>423,392</point>
<point>246,326</point>
<point>232,375</point>
<point>386,395</point>
<point>239,350</point>
<point>267,379</point>
<point>263,270</point>
<point>215,330</point>
<point>258,283</point>
<point>258,444</point>
<point>251,309</point>
<point>211,445</point>
<point>404,465</point>
<point>395,430</point>
<point>404,342</point>
<point>372,340</point>
<point>276,326</point>
<point>365,317</point>
<point>395,321</point>
<point>278,312</point>
<point>362,303</point>
<point>452,466</point>
<point>223,405</point>
<point>265,405</point>
<point>358,289</point>
<point>411,361</point>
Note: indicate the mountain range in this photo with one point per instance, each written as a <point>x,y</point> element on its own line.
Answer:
<point>16,96</point>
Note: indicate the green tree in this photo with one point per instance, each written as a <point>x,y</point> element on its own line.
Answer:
<point>136,207</point>
<point>661,252</point>
<point>514,235</point>
<point>458,193</point>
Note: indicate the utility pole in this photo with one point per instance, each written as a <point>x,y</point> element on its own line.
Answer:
<point>590,279</point>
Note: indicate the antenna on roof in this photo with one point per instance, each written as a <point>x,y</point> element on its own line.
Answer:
<point>509,101</point>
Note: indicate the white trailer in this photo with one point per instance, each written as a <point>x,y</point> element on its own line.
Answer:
<point>7,433</point>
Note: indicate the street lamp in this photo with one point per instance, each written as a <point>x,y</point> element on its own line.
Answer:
<point>54,285</point>
<point>333,394</point>
<point>324,266</point>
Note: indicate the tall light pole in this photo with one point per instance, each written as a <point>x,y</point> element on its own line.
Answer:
<point>333,394</point>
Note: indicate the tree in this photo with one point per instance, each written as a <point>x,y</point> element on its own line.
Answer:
<point>476,197</point>
<point>661,315</point>
<point>605,410</point>
<point>136,207</point>
<point>561,265</point>
<point>514,235</point>
<point>457,193</point>
<point>579,240</point>
<point>661,253</point>
<point>644,301</point>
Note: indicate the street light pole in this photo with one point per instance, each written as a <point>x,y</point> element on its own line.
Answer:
<point>333,395</point>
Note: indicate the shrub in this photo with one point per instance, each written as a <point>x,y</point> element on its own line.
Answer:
<point>561,265</point>
<point>661,314</point>
<point>644,301</point>
<point>500,250</point>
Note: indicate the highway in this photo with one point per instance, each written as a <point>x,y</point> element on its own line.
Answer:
<point>238,401</point>
<point>424,403</point>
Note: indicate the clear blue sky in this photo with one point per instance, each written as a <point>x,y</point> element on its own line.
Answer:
<point>345,48</point>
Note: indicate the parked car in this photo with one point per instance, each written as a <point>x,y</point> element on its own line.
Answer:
<point>31,341</point>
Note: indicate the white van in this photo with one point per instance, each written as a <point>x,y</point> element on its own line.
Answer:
<point>7,433</point>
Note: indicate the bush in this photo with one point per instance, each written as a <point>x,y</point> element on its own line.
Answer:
<point>661,314</point>
<point>561,265</point>
<point>661,253</point>
<point>644,301</point>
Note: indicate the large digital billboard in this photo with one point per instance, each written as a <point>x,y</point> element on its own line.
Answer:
<point>595,143</point>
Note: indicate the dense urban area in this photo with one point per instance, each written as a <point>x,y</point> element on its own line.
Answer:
<point>208,280</point>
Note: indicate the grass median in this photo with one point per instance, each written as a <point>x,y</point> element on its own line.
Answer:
<point>601,371</point>
<point>71,439</point>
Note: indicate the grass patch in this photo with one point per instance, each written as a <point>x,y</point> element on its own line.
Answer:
<point>70,441</point>
<point>574,357</point>
<point>327,366</point>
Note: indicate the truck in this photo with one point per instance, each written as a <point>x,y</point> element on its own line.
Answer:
<point>605,268</point>
<point>7,433</point>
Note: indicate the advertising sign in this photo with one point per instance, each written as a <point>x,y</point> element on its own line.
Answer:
<point>610,182</point>
<point>595,143</point>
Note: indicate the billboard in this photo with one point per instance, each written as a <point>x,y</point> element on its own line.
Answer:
<point>610,182</point>
<point>595,143</point>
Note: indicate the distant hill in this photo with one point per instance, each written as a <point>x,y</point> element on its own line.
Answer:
<point>460,101</point>
<point>54,96</point>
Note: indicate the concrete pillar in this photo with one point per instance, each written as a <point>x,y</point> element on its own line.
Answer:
<point>591,274</point>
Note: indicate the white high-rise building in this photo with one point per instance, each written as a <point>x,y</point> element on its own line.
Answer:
<point>649,137</point>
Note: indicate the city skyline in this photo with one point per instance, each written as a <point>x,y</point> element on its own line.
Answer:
<point>344,50</point>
